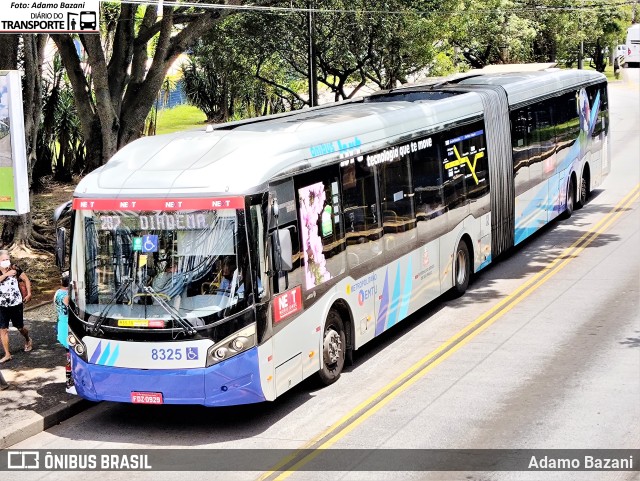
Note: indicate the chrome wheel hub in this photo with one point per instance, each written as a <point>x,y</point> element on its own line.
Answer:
<point>332,346</point>
<point>461,267</point>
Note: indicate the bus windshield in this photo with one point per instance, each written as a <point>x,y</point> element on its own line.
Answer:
<point>157,264</point>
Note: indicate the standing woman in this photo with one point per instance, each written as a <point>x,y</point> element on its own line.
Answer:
<point>11,303</point>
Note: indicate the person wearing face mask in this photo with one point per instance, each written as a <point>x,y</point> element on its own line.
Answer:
<point>11,303</point>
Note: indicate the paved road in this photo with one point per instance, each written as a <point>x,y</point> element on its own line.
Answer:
<point>557,367</point>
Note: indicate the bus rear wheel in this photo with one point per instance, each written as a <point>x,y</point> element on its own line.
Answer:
<point>462,269</point>
<point>570,200</point>
<point>333,349</point>
<point>585,190</point>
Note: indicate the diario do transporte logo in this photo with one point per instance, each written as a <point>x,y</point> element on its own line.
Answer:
<point>48,17</point>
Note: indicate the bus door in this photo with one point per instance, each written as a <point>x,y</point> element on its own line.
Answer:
<point>363,240</point>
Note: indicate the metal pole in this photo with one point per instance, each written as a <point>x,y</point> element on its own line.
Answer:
<point>581,53</point>
<point>313,83</point>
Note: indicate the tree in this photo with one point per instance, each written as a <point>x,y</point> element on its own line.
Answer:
<point>114,98</point>
<point>219,78</point>
<point>604,28</point>
<point>26,51</point>
<point>493,32</point>
<point>355,42</point>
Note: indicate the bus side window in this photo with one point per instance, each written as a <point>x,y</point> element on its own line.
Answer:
<point>592,92</point>
<point>477,184</point>
<point>359,202</point>
<point>426,171</point>
<point>519,147</point>
<point>257,254</point>
<point>541,140</point>
<point>567,121</point>
<point>396,199</point>
<point>454,171</point>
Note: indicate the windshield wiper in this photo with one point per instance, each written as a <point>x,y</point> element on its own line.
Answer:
<point>186,326</point>
<point>95,329</point>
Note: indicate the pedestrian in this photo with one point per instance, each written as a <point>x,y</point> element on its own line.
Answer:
<point>11,303</point>
<point>3,383</point>
<point>61,302</point>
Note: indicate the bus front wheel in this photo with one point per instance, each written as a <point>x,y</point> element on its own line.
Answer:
<point>333,349</point>
<point>462,266</point>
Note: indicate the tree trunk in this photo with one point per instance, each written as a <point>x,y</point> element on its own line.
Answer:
<point>33,59</point>
<point>114,100</point>
<point>9,52</point>
<point>599,58</point>
<point>17,230</point>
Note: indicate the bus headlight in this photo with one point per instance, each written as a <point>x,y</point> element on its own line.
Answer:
<point>231,346</point>
<point>77,345</point>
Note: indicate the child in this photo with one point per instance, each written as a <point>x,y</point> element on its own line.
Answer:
<point>61,301</point>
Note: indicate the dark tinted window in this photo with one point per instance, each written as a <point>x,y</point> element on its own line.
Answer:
<point>426,172</point>
<point>566,119</point>
<point>396,195</point>
<point>519,147</point>
<point>540,140</point>
<point>474,149</point>
<point>362,221</point>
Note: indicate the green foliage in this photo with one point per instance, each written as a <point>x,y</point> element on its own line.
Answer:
<point>182,117</point>
<point>219,77</point>
<point>60,141</point>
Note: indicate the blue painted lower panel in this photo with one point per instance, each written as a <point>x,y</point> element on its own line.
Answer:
<point>234,381</point>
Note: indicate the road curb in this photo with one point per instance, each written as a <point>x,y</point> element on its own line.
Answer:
<point>41,422</point>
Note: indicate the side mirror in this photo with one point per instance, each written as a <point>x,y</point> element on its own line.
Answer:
<point>286,250</point>
<point>282,250</point>
<point>61,247</point>
<point>61,211</point>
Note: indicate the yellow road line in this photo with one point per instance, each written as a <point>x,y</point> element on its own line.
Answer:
<point>374,403</point>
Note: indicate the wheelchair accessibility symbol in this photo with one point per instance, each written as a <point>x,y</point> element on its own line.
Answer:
<point>149,243</point>
<point>192,353</point>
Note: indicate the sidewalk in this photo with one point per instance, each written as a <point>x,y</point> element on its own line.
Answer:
<point>36,398</point>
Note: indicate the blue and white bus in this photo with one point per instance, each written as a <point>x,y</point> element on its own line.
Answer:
<point>224,266</point>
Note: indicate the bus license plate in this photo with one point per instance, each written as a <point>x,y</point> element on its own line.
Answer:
<point>146,398</point>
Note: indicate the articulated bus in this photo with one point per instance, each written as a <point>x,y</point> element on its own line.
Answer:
<point>227,265</point>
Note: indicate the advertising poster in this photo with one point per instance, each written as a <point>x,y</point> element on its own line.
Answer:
<point>7,194</point>
<point>14,193</point>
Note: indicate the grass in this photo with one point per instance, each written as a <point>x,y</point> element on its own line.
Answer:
<point>608,71</point>
<point>182,117</point>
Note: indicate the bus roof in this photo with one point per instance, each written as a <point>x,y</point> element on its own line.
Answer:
<point>240,157</point>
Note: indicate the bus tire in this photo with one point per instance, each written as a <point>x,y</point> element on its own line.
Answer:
<point>585,190</point>
<point>462,269</point>
<point>334,344</point>
<point>570,200</point>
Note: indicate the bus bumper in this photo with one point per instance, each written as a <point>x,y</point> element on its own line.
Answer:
<point>234,381</point>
